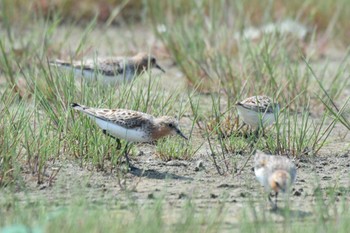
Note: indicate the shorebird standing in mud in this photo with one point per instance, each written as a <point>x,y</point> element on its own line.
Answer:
<point>276,173</point>
<point>258,111</point>
<point>132,126</point>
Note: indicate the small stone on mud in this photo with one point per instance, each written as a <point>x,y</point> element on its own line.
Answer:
<point>303,160</point>
<point>297,193</point>
<point>213,196</point>
<point>176,163</point>
<point>326,178</point>
<point>182,195</point>
<point>226,186</point>
<point>242,195</point>
<point>199,166</point>
<point>150,196</point>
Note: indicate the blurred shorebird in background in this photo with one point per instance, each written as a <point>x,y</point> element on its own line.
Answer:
<point>110,71</point>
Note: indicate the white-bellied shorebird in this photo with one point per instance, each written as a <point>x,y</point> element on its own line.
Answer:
<point>276,173</point>
<point>110,71</point>
<point>132,126</point>
<point>258,111</point>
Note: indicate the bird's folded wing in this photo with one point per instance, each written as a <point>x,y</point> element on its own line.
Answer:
<point>125,118</point>
<point>256,108</point>
<point>107,66</point>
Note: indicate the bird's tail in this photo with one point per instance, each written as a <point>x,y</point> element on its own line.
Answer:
<point>91,112</point>
<point>79,107</point>
<point>60,63</point>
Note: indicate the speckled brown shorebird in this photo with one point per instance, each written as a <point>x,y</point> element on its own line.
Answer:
<point>258,111</point>
<point>132,126</point>
<point>110,71</point>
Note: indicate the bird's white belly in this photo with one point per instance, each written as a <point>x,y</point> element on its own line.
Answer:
<point>132,135</point>
<point>93,76</point>
<point>253,118</point>
<point>261,177</point>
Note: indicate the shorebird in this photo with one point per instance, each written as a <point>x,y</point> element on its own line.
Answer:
<point>258,111</point>
<point>132,126</point>
<point>110,71</point>
<point>276,173</point>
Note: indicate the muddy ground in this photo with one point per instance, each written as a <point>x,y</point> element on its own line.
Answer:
<point>179,181</point>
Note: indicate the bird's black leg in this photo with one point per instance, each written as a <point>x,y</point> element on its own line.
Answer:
<point>119,145</point>
<point>126,149</point>
<point>263,132</point>
<point>273,204</point>
<point>126,153</point>
<point>276,200</point>
<point>269,197</point>
<point>250,130</point>
<point>257,132</point>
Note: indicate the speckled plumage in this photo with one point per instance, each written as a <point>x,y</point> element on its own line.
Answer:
<point>258,110</point>
<point>106,66</point>
<point>132,126</point>
<point>126,118</point>
<point>260,103</point>
<point>149,127</point>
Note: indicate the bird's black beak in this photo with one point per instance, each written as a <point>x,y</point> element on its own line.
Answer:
<point>181,134</point>
<point>159,68</point>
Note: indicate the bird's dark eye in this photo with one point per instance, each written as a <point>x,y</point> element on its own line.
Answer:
<point>170,125</point>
